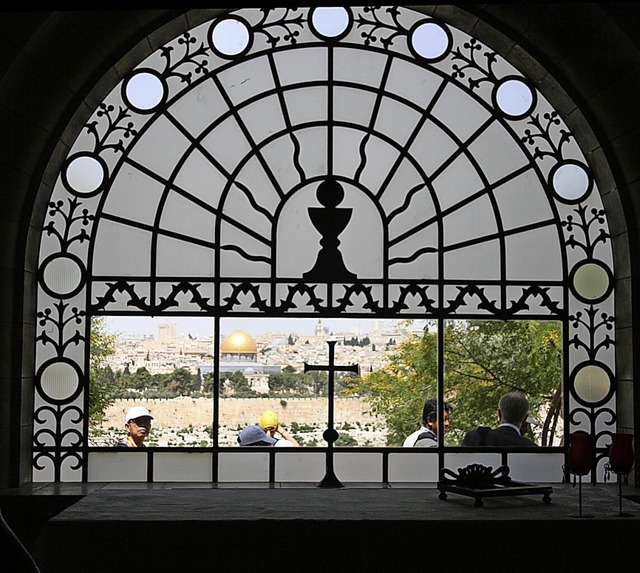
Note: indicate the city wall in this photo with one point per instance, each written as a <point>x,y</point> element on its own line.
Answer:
<point>183,412</point>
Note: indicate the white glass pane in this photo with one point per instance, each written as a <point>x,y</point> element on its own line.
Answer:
<point>300,468</point>
<point>354,67</point>
<point>85,174</point>
<point>592,383</point>
<point>243,467</point>
<point>184,217</point>
<point>44,475</point>
<point>591,281</point>
<point>62,275</point>
<point>432,147</point>
<point>536,468</point>
<point>243,255</point>
<point>199,107</point>
<point>473,221</point>
<point>59,380</point>
<point>201,179</point>
<point>230,36</point>
<point>217,144</point>
<point>306,104</point>
<point>145,90</point>
<point>182,467</point>
<point>514,97</point>
<point>403,256</point>
<point>535,255</point>
<point>300,66</point>
<point>330,22</point>
<point>176,258</point>
<point>458,181</point>
<point>118,466</point>
<point>396,121</point>
<point>459,112</point>
<point>154,151</point>
<point>247,79</point>
<point>134,196</point>
<point>571,181</point>
<point>112,240</point>
<point>358,467</point>
<point>475,262</point>
<point>407,196</point>
<point>430,40</point>
<point>496,153</point>
<point>413,468</point>
<point>263,118</point>
<point>522,201</point>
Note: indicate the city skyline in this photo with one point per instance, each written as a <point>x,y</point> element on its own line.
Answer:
<point>203,326</point>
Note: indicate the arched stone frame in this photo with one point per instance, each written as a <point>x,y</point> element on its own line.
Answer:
<point>64,273</point>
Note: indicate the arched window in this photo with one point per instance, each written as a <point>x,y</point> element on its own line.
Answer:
<point>337,162</point>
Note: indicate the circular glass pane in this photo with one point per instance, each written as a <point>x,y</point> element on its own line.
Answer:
<point>592,384</point>
<point>230,37</point>
<point>514,98</point>
<point>330,22</point>
<point>591,281</point>
<point>62,276</point>
<point>571,181</point>
<point>430,41</point>
<point>144,91</point>
<point>59,381</point>
<point>84,174</point>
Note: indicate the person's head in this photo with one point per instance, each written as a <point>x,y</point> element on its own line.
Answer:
<point>255,436</point>
<point>269,422</point>
<point>513,408</point>
<point>430,418</point>
<point>137,422</point>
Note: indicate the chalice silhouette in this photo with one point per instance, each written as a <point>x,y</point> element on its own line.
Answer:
<point>330,220</point>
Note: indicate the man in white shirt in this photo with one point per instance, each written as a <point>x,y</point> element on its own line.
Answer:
<point>427,435</point>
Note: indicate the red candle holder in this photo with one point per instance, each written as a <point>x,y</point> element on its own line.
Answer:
<point>580,460</point>
<point>621,460</point>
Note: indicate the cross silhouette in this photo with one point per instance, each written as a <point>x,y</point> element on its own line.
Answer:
<point>330,434</point>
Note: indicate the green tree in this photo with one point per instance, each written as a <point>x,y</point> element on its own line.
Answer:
<point>485,359</point>
<point>289,381</point>
<point>207,382</point>
<point>142,379</point>
<point>102,386</point>
<point>237,384</point>
<point>398,391</point>
<point>482,361</point>
<point>180,381</point>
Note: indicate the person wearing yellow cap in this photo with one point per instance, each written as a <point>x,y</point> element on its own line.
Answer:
<point>269,423</point>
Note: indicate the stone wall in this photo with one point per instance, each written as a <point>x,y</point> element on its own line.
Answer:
<point>184,412</point>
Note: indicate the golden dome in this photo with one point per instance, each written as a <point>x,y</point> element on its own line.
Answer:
<point>239,341</point>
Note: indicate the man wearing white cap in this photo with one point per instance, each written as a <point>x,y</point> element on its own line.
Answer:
<point>137,422</point>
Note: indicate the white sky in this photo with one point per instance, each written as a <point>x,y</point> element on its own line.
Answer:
<point>254,326</point>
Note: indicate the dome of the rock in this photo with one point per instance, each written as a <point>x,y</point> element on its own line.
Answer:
<point>239,341</point>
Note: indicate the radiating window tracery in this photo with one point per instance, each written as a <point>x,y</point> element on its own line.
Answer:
<point>192,190</point>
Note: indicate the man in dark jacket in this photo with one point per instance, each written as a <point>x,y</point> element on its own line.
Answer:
<point>513,409</point>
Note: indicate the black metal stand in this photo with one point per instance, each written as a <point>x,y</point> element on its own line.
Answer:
<point>480,481</point>
<point>330,480</point>
<point>620,512</point>
<point>580,514</point>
